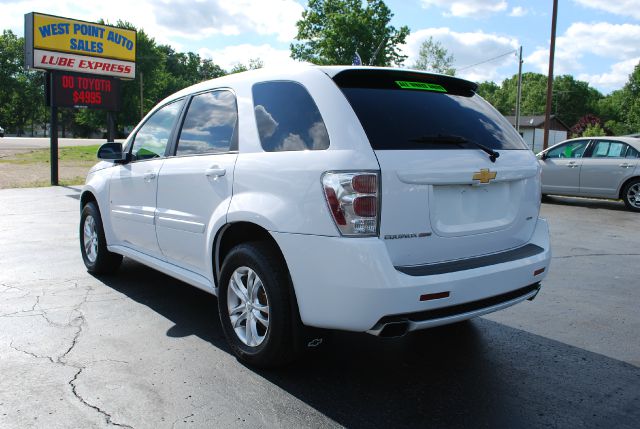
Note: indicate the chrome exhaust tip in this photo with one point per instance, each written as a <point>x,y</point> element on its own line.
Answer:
<point>394,329</point>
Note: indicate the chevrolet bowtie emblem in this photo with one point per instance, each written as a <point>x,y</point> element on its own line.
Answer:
<point>484,175</point>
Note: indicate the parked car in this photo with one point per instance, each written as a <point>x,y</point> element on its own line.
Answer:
<point>362,199</point>
<point>1,132</point>
<point>596,167</point>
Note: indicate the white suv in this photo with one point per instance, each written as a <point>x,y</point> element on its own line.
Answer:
<point>363,199</point>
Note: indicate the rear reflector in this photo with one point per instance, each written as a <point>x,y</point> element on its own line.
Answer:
<point>334,205</point>
<point>430,296</point>
<point>538,271</point>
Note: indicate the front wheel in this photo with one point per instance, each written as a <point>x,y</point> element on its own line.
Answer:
<point>631,195</point>
<point>93,244</point>
<point>257,308</point>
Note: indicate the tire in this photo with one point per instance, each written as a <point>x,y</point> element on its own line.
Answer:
<point>93,244</point>
<point>257,306</point>
<point>631,195</point>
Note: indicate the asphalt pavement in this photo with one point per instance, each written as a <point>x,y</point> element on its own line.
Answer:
<point>140,349</point>
<point>11,145</point>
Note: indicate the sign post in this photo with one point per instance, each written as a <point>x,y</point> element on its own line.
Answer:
<point>53,132</point>
<point>84,62</point>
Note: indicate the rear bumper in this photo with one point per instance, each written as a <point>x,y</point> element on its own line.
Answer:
<point>351,284</point>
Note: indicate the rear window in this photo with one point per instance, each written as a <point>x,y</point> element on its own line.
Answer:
<point>412,111</point>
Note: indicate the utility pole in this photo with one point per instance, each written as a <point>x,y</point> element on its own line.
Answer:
<point>519,96</point>
<point>552,48</point>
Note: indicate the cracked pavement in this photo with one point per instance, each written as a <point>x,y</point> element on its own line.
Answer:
<point>140,349</point>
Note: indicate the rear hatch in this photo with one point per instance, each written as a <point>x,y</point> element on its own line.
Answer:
<point>457,180</point>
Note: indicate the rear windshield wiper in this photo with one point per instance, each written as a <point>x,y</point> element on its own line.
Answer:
<point>459,140</point>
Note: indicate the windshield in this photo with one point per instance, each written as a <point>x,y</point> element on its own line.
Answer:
<point>403,116</point>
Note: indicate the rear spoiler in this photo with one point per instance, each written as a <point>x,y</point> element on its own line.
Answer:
<point>381,78</point>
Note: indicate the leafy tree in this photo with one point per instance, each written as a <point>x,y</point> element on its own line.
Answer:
<point>332,31</point>
<point>21,91</point>
<point>162,71</point>
<point>588,123</point>
<point>254,63</point>
<point>621,109</point>
<point>594,131</point>
<point>631,101</point>
<point>434,57</point>
<point>573,98</point>
<point>534,87</point>
<point>209,70</point>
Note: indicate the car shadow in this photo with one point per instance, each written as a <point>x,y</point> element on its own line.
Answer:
<point>584,202</point>
<point>474,374</point>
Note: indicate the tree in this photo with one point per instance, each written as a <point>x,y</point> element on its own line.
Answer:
<point>588,124</point>
<point>434,57</point>
<point>620,110</point>
<point>254,63</point>
<point>573,98</point>
<point>594,131</point>
<point>21,91</point>
<point>332,31</point>
<point>631,101</point>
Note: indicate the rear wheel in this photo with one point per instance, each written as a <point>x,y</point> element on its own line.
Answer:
<point>93,244</point>
<point>631,195</point>
<point>257,307</point>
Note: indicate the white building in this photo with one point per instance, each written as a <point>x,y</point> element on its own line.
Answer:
<point>532,130</point>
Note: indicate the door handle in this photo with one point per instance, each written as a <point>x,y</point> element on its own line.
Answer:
<point>572,164</point>
<point>215,171</point>
<point>625,165</point>
<point>149,176</point>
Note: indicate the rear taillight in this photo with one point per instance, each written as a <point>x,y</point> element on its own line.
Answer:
<point>353,200</point>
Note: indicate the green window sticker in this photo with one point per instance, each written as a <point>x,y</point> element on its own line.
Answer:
<point>420,85</point>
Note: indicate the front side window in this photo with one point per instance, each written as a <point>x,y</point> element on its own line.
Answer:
<point>288,118</point>
<point>209,124</point>
<point>152,138</point>
<point>573,149</point>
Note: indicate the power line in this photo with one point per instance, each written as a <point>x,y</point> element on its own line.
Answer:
<point>489,60</point>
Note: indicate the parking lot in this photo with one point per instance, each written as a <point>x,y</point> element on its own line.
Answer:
<point>144,350</point>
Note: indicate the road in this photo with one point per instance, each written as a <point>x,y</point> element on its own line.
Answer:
<point>11,145</point>
<point>142,350</point>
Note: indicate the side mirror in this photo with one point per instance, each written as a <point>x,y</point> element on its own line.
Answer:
<point>542,156</point>
<point>113,152</point>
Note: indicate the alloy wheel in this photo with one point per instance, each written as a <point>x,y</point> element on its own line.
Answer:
<point>248,306</point>
<point>90,239</point>
<point>633,195</point>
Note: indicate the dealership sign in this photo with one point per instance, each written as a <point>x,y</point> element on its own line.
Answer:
<point>55,43</point>
<point>83,90</point>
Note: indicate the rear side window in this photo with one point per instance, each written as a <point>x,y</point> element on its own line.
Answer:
<point>608,149</point>
<point>402,110</point>
<point>288,118</point>
<point>209,124</point>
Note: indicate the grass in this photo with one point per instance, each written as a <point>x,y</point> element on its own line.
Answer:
<point>68,153</point>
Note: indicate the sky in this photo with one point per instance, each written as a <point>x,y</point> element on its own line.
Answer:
<point>598,41</point>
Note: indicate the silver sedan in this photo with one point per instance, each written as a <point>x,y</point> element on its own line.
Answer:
<point>596,167</point>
